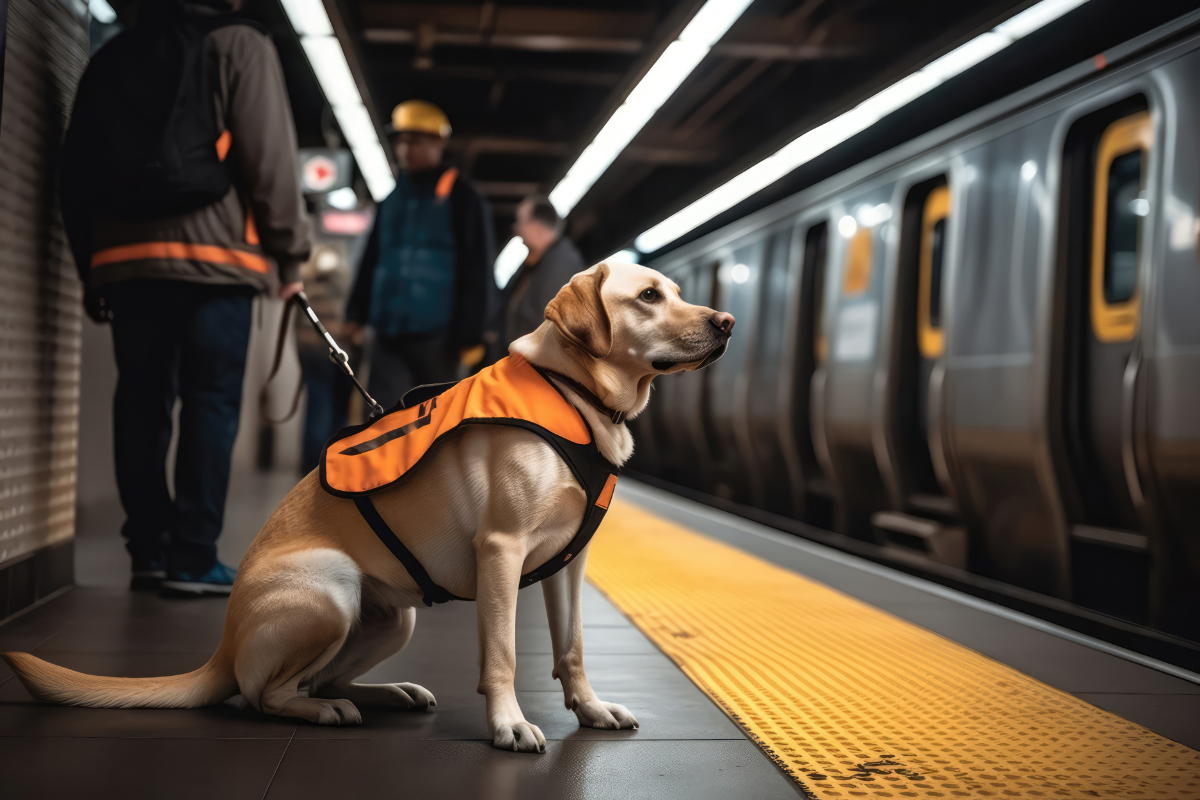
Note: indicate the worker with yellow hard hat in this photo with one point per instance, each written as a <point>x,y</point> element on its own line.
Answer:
<point>426,275</point>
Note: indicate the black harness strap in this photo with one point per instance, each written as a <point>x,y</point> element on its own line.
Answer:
<point>433,593</point>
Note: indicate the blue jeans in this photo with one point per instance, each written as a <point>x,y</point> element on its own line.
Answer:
<point>176,340</point>
<point>328,403</point>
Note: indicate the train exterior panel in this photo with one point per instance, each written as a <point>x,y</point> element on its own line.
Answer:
<point>980,350</point>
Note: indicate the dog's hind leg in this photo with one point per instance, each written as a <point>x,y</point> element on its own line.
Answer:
<point>378,636</point>
<point>294,629</point>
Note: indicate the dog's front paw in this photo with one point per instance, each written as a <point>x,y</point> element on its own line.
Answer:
<point>521,737</point>
<point>598,714</point>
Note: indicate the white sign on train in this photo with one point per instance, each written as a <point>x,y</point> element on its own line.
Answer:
<point>855,335</point>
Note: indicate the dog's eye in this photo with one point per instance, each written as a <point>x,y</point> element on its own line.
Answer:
<point>650,295</point>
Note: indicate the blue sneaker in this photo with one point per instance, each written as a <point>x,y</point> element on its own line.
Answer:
<point>217,581</point>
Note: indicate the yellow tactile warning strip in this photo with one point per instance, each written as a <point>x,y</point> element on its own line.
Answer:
<point>853,702</point>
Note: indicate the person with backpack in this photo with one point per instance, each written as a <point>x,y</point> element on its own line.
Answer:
<point>426,275</point>
<point>180,201</point>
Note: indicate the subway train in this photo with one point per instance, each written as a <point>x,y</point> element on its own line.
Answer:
<point>978,352</point>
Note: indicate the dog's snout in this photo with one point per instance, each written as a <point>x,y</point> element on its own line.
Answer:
<point>723,321</point>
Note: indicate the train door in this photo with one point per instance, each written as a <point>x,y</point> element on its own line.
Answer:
<point>843,397</point>
<point>923,518</point>
<point>684,442</point>
<point>770,400</point>
<point>1106,168</point>
<point>812,350</point>
<point>727,382</point>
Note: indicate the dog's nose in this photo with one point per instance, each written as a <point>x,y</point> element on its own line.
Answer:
<point>723,321</point>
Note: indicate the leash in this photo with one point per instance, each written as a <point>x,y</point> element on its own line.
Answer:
<point>336,354</point>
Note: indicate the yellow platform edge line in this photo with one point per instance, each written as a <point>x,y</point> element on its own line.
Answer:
<point>850,701</point>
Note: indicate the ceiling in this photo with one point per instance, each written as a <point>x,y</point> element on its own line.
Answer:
<point>528,83</point>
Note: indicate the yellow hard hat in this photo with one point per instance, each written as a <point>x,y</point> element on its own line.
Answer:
<point>421,117</point>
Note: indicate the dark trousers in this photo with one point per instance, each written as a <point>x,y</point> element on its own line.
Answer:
<point>176,340</point>
<point>399,364</point>
<point>328,392</point>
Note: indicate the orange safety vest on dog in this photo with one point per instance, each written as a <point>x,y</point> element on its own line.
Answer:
<point>363,459</point>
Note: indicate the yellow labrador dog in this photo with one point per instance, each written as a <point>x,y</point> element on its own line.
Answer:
<point>319,600</point>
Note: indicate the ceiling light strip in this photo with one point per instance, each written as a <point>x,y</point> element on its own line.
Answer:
<point>670,69</point>
<point>824,137</point>
<point>328,60</point>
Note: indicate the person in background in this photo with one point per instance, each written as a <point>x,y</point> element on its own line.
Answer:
<point>176,278</point>
<point>553,259</point>
<point>327,285</point>
<point>425,276</point>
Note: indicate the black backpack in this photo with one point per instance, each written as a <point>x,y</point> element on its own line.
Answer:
<point>142,142</point>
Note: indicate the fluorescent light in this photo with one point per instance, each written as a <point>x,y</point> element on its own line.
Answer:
<point>816,141</point>
<point>740,273</point>
<point>670,69</point>
<point>308,17</point>
<point>328,61</point>
<point>624,256</point>
<point>333,73</point>
<point>510,260</point>
<point>711,21</point>
<point>102,11</point>
<point>847,226</point>
<point>1036,17</point>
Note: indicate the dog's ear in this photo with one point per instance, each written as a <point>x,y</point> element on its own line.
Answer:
<point>579,314</point>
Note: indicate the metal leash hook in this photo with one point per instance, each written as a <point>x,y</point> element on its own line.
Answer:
<point>336,353</point>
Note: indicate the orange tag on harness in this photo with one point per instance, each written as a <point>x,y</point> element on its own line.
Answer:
<point>510,389</point>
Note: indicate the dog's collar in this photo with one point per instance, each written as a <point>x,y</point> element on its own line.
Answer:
<point>615,417</point>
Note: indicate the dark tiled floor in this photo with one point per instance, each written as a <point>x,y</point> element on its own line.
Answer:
<point>684,748</point>
<point>1163,703</point>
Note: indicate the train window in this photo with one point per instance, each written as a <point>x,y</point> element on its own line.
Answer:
<point>1119,206</point>
<point>929,288</point>
<point>858,262</point>
<point>815,243</point>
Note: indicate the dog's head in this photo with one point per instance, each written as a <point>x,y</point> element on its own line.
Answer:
<point>624,324</point>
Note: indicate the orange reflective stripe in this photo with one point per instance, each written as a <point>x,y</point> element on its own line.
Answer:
<point>224,142</point>
<point>251,229</point>
<point>183,252</point>
<point>509,389</point>
<point>445,184</point>
<point>607,492</point>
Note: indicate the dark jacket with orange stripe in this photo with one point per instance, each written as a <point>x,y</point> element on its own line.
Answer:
<point>258,234</point>
<point>364,459</point>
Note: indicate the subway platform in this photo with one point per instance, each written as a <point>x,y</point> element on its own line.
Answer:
<point>759,665</point>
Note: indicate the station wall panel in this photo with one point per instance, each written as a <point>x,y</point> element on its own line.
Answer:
<point>40,304</point>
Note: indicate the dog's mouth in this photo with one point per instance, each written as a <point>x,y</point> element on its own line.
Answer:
<point>717,352</point>
<point>714,354</point>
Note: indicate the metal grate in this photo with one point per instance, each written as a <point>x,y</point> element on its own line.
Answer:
<point>40,310</point>
<point>849,701</point>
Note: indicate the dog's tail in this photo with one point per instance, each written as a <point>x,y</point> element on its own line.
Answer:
<point>48,683</point>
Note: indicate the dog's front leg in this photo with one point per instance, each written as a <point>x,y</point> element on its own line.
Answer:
<point>564,606</point>
<point>499,558</point>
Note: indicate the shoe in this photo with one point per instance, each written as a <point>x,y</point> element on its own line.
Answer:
<point>217,581</point>
<point>147,580</point>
